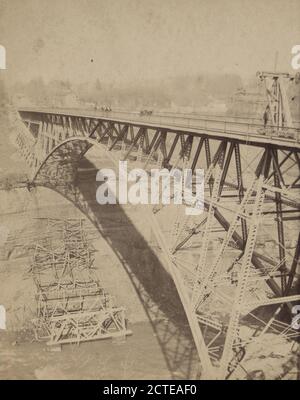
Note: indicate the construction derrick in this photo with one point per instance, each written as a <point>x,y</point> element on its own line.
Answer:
<point>278,118</point>
<point>72,306</point>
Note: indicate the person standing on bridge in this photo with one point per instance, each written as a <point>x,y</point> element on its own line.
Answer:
<point>266,115</point>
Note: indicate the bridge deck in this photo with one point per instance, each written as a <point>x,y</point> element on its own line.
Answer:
<point>244,132</point>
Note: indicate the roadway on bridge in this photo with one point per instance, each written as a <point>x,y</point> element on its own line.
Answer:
<point>244,132</point>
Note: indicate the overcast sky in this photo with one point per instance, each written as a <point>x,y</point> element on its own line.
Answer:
<point>145,39</point>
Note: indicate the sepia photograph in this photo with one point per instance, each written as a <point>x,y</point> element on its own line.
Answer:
<point>150,192</point>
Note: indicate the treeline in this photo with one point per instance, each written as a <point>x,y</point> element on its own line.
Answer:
<point>196,91</point>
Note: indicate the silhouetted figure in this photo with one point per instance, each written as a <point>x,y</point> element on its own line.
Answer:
<point>266,116</point>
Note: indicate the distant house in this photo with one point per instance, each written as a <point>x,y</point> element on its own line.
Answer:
<point>71,100</point>
<point>216,107</point>
<point>65,98</point>
<point>21,100</point>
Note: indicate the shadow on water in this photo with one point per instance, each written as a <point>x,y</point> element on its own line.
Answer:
<point>153,284</point>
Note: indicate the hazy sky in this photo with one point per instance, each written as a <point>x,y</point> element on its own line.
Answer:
<point>145,39</point>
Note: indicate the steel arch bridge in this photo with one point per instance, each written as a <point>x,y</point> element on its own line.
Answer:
<point>235,265</point>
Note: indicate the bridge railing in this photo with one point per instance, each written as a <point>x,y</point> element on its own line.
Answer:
<point>210,116</point>
<point>217,125</point>
<point>188,122</point>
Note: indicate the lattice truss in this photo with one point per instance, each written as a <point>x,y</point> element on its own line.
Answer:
<point>235,266</point>
<point>236,290</point>
<point>72,306</point>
